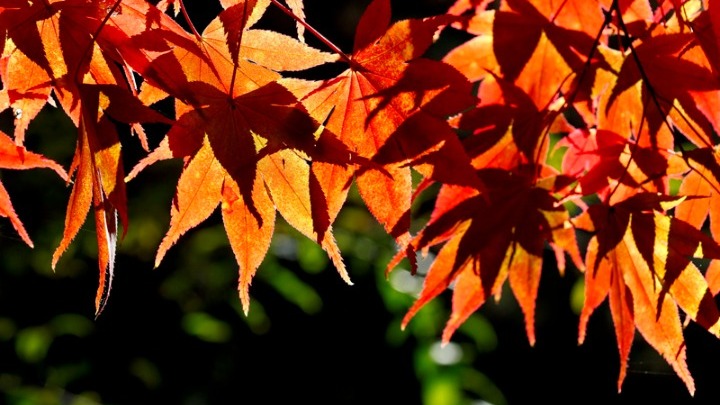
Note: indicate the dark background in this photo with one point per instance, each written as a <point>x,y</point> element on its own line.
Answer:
<point>177,335</point>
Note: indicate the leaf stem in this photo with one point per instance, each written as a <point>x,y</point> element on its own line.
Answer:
<point>557,11</point>
<point>314,32</point>
<point>189,22</point>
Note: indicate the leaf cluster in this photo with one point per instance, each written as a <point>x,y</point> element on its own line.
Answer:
<point>629,87</point>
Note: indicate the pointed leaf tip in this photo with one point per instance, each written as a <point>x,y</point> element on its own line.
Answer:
<point>449,331</point>
<point>245,299</point>
<point>333,251</point>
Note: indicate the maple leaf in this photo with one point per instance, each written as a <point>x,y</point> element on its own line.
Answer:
<point>17,157</point>
<point>245,138</point>
<point>641,259</point>
<point>481,252</point>
<point>172,61</point>
<point>390,106</point>
<point>203,185</point>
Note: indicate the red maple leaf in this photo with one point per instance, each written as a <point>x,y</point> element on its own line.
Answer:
<point>481,251</point>
<point>390,106</point>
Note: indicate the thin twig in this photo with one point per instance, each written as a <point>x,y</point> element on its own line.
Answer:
<point>314,32</point>
<point>189,21</point>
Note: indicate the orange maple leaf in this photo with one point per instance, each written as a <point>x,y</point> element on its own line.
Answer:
<point>245,138</point>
